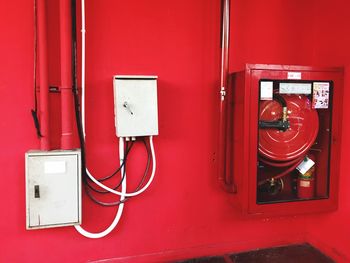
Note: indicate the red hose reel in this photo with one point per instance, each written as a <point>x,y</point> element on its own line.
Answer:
<point>288,127</point>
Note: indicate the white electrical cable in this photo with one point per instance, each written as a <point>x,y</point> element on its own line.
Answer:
<point>83,115</point>
<point>137,192</point>
<point>120,208</point>
<point>123,193</point>
<point>121,141</point>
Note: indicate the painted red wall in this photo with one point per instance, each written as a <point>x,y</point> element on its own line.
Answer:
<point>271,32</point>
<point>184,213</point>
<point>331,38</point>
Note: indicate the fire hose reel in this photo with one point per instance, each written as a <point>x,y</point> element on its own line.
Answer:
<point>282,139</point>
<point>288,127</point>
<point>285,153</point>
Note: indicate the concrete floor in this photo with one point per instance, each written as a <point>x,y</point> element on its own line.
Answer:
<point>303,253</point>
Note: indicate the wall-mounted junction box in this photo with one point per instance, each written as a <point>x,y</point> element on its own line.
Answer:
<point>135,102</point>
<point>53,188</point>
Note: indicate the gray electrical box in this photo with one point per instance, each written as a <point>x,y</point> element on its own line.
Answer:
<point>135,105</point>
<point>53,188</point>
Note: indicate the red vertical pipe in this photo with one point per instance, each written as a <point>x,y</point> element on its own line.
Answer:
<point>66,75</point>
<point>223,167</point>
<point>43,72</point>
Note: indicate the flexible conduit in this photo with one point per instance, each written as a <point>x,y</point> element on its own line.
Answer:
<point>123,193</point>
<point>120,208</point>
<point>83,32</point>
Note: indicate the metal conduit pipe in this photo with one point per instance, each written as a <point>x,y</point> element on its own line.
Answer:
<point>224,151</point>
<point>66,75</point>
<point>43,73</point>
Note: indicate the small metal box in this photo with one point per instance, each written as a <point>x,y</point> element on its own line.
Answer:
<point>135,104</point>
<point>53,188</point>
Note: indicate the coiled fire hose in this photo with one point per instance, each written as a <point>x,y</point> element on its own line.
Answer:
<point>288,127</point>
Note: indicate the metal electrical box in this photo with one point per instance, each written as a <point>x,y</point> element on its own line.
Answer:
<point>135,102</point>
<point>285,133</point>
<point>53,188</point>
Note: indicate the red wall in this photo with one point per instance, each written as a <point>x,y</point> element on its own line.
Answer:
<point>184,213</point>
<point>331,36</point>
<point>271,32</point>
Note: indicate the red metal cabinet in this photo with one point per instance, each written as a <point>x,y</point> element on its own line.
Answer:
<point>282,119</point>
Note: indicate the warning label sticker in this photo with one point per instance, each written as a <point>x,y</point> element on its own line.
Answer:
<point>320,96</point>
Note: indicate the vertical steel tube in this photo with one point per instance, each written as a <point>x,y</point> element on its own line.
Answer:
<point>43,72</point>
<point>225,41</point>
<point>66,75</point>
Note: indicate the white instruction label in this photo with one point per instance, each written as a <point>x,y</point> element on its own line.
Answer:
<point>294,75</point>
<point>320,98</point>
<point>305,165</point>
<point>55,167</point>
<point>295,88</point>
<point>266,90</point>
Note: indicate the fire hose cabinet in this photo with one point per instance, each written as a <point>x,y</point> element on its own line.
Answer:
<point>284,133</point>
